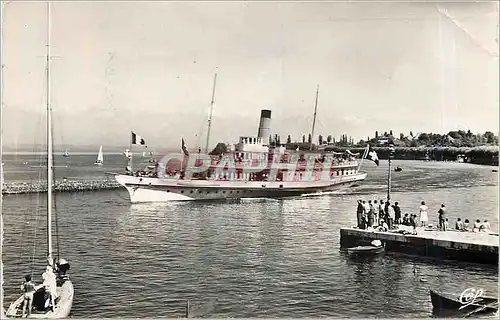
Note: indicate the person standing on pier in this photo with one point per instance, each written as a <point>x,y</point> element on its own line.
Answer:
<point>386,207</point>
<point>366,210</point>
<point>381,213</point>
<point>389,214</point>
<point>424,218</point>
<point>413,223</point>
<point>375,214</point>
<point>371,212</point>
<point>364,221</point>
<point>359,213</point>
<point>442,217</point>
<point>397,213</point>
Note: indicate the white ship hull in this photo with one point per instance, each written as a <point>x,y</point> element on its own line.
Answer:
<point>144,189</point>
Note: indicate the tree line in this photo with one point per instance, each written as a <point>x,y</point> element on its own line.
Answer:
<point>456,139</point>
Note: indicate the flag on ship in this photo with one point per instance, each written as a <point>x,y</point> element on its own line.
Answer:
<point>137,139</point>
<point>184,147</point>
<point>372,155</point>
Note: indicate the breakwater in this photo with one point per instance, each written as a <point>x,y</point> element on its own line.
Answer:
<point>486,155</point>
<point>60,186</point>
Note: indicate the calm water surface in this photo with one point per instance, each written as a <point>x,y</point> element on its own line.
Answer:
<point>258,258</point>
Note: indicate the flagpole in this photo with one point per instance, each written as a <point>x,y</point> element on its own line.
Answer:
<point>131,153</point>
<point>389,174</point>
<point>363,157</point>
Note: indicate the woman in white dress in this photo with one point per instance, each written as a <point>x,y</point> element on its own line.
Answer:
<point>423,214</point>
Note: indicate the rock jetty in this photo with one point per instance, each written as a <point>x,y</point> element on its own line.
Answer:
<point>60,186</point>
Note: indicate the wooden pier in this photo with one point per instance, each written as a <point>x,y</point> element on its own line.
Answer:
<point>449,245</point>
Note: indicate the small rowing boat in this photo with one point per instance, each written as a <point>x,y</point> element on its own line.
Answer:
<point>451,303</point>
<point>366,250</point>
<point>376,247</point>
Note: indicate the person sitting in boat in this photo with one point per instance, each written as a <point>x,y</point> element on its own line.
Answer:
<point>50,284</point>
<point>376,243</point>
<point>477,225</point>
<point>62,267</point>
<point>28,287</point>
<point>459,225</point>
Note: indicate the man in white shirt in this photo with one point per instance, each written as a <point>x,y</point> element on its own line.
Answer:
<point>390,214</point>
<point>50,283</point>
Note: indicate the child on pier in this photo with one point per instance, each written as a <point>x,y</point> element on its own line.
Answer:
<point>423,214</point>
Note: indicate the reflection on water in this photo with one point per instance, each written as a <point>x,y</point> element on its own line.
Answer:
<point>257,258</point>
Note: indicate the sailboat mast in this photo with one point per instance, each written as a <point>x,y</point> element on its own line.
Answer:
<point>314,118</point>
<point>49,144</point>
<point>211,112</point>
<point>1,157</point>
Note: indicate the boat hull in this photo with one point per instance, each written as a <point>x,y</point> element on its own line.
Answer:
<point>62,310</point>
<point>366,250</point>
<point>144,189</point>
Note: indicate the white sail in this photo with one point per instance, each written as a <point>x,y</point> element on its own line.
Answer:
<point>100,157</point>
<point>61,283</point>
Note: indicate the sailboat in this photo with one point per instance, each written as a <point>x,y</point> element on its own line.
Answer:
<point>100,158</point>
<point>55,271</point>
<point>66,154</point>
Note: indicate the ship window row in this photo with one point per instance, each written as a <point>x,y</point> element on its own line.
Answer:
<point>216,191</point>
<point>251,140</point>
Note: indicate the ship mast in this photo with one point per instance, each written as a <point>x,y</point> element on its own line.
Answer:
<point>314,118</point>
<point>212,103</point>
<point>49,144</point>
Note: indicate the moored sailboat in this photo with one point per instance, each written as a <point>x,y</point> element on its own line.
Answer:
<point>100,158</point>
<point>52,299</point>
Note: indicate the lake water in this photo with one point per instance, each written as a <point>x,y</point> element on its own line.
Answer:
<point>258,258</point>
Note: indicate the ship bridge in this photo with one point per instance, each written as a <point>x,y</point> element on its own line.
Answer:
<point>252,148</point>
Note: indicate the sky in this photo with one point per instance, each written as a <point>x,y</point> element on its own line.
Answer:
<point>149,67</point>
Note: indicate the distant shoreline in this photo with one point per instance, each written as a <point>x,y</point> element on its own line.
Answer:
<point>484,155</point>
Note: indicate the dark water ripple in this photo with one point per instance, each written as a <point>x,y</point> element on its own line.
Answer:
<point>258,258</point>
